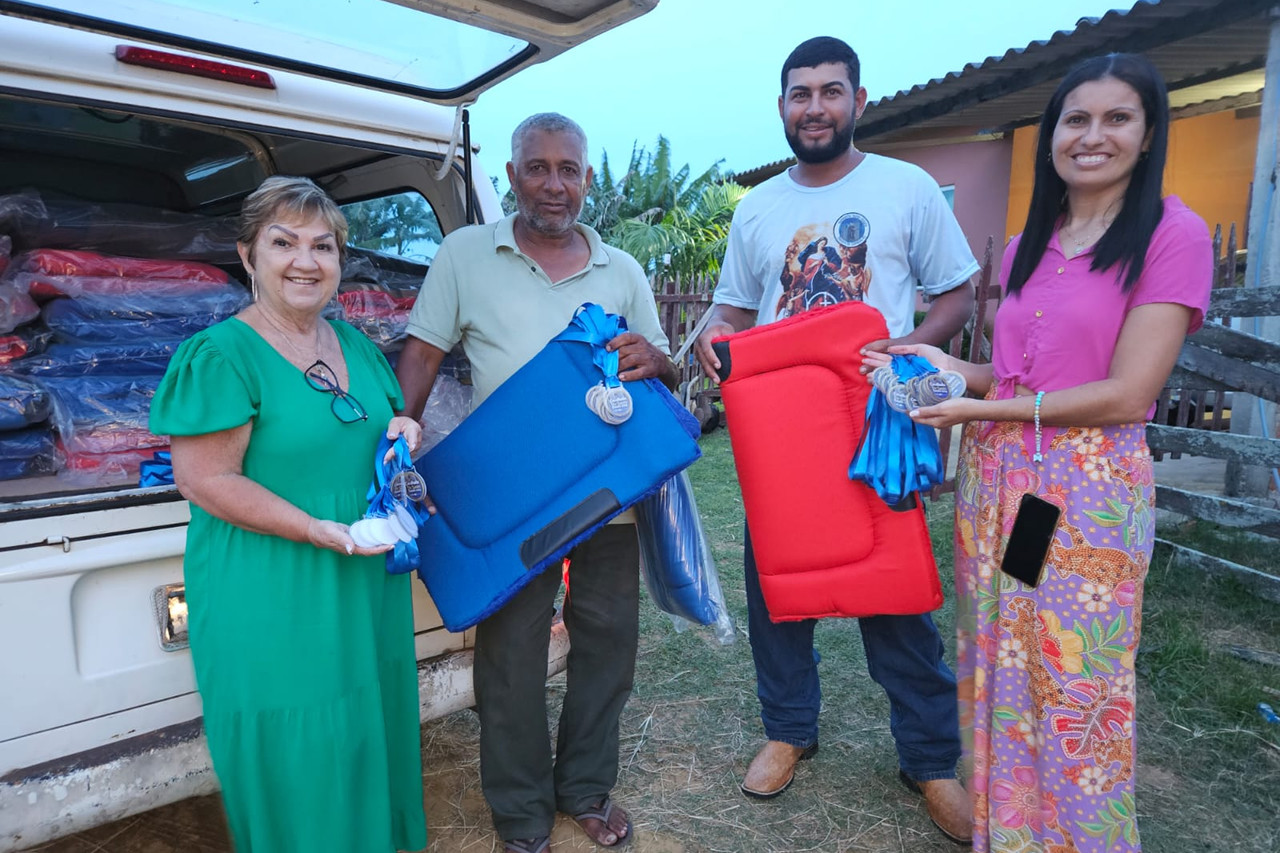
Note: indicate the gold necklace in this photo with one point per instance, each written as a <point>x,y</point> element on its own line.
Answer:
<point>1088,238</point>
<point>309,360</point>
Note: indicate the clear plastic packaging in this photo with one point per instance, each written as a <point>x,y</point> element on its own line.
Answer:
<point>36,219</point>
<point>27,453</point>
<point>456,365</point>
<point>368,270</point>
<point>101,470</point>
<point>16,307</point>
<point>145,357</point>
<point>382,317</point>
<point>104,414</point>
<point>93,318</point>
<point>676,561</point>
<point>24,342</point>
<point>448,405</point>
<point>22,403</point>
<point>6,250</point>
<point>46,273</point>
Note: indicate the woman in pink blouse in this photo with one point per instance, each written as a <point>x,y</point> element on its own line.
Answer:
<point>1101,287</point>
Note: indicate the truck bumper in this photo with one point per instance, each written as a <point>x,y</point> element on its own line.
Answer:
<point>38,804</point>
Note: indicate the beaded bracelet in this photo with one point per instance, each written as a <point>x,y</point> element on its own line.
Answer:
<point>1038,457</point>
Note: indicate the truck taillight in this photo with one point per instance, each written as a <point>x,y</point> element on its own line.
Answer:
<point>170,607</point>
<point>151,58</point>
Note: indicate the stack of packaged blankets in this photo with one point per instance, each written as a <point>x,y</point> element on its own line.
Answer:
<point>94,300</point>
<point>105,330</point>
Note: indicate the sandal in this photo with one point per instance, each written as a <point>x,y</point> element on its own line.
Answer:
<point>542,844</point>
<point>601,812</point>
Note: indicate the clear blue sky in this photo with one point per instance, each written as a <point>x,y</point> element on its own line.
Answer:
<point>704,73</point>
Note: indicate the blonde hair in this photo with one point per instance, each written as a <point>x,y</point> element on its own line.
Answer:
<point>291,198</point>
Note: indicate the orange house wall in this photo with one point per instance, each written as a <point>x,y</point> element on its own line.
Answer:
<point>1210,167</point>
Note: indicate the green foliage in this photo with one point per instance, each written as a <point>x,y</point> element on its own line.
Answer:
<point>669,220</point>
<point>391,223</point>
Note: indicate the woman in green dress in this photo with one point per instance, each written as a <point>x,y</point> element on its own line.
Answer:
<point>302,642</point>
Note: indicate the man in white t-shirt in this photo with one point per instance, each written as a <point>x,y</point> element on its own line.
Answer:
<point>841,225</point>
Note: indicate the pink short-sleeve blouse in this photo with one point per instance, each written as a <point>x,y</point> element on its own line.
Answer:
<point>1061,329</point>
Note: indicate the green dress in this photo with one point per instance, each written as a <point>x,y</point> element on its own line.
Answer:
<point>304,657</point>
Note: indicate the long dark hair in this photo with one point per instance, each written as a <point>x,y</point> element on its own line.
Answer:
<point>1124,245</point>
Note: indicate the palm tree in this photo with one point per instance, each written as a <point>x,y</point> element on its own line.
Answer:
<point>688,240</point>
<point>668,221</point>
<point>392,223</point>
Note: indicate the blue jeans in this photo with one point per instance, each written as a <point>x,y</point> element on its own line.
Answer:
<point>904,656</point>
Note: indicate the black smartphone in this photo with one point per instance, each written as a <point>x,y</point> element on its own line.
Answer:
<point>1031,538</point>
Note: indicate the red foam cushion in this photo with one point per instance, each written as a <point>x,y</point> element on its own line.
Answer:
<point>824,545</point>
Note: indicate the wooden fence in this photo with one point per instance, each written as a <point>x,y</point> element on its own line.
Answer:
<point>1191,413</point>
<point>1188,400</point>
<point>1217,361</point>
<point>682,303</point>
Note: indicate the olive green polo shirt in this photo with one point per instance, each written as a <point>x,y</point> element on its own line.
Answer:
<point>483,291</point>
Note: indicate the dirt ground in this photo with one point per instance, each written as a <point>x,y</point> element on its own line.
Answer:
<point>679,785</point>
<point>692,726</point>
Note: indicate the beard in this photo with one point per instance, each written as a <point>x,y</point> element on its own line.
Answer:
<point>841,140</point>
<point>536,220</point>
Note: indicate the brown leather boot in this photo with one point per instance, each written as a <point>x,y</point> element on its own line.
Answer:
<point>773,768</point>
<point>948,805</point>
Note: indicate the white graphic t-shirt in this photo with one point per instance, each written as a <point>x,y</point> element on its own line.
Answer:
<point>870,236</point>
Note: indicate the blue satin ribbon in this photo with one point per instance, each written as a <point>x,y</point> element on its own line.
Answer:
<point>404,557</point>
<point>592,325</point>
<point>156,471</point>
<point>897,456</point>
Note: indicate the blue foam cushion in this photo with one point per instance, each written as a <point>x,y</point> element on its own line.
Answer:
<point>532,472</point>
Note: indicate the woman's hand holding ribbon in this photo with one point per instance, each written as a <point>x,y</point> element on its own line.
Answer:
<point>871,359</point>
<point>948,413</point>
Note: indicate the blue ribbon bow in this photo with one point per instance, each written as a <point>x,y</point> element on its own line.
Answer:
<point>404,557</point>
<point>592,325</point>
<point>897,456</point>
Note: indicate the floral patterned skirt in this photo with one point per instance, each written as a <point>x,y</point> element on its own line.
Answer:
<point>1046,673</point>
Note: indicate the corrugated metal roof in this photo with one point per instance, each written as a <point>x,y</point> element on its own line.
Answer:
<point>1206,50</point>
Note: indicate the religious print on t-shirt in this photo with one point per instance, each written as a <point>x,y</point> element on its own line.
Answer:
<point>826,264</point>
<point>881,234</point>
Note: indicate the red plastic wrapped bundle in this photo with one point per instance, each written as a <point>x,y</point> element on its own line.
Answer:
<point>56,272</point>
<point>116,468</point>
<point>824,545</point>
<point>11,347</point>
<point>382,317</point>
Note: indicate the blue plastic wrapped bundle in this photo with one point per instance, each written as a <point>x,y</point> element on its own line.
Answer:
<point>136,358</point>
<point>24,342</point>
<point>676,561</point>
<point>139,316</point>
<point>22,403</point>
<point>103,414</point>
<point>27,453</point>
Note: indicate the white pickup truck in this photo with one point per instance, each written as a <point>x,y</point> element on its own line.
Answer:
<point>135,128</point>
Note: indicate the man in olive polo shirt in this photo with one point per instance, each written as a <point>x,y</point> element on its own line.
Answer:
<point>504,290</point>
